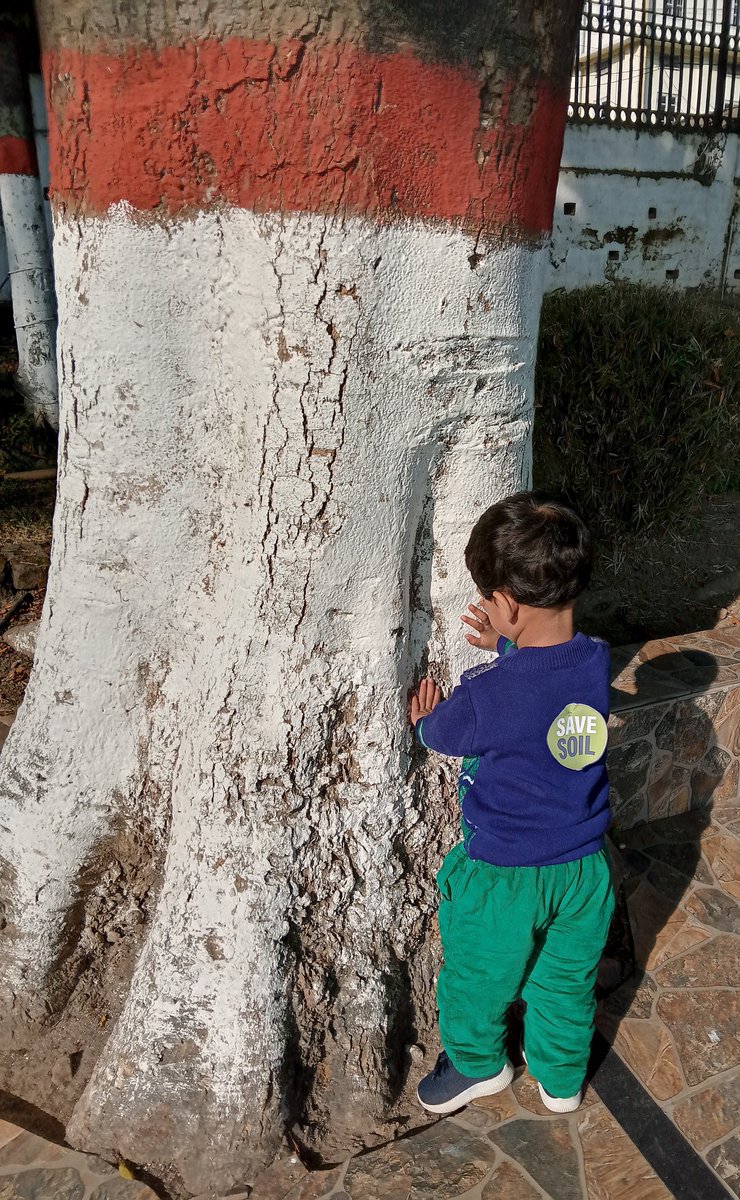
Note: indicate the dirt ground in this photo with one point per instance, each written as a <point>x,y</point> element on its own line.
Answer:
<point>25,516</point>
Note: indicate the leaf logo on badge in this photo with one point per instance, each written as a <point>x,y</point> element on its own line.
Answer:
<point>577,737</point>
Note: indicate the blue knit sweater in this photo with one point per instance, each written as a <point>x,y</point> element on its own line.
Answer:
<point>531,730</point>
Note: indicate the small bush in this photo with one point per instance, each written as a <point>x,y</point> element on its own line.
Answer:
<point>637,411</point>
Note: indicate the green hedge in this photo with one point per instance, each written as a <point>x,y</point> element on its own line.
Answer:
<point>637,412</point>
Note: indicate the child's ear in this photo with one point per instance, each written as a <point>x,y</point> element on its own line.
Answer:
<point>509,605</point>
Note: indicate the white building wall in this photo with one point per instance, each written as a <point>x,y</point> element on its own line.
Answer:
<point>646,207</point>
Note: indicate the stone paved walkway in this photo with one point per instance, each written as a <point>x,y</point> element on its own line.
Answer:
<point>676,1024</point>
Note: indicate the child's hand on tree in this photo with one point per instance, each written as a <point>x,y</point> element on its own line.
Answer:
<point>485,636</point>
<point>427,698</point>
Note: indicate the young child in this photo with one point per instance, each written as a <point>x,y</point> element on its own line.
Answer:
<point>526,897</point>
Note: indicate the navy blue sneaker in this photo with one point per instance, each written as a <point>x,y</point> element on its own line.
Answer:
<point>444,1089</point>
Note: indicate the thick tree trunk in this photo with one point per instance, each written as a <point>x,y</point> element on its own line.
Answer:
<point>299,274</point>
<point>29,256</point>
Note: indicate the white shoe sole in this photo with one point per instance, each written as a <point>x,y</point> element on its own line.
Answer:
<point>486,1087</point>
<point>555,1103</point>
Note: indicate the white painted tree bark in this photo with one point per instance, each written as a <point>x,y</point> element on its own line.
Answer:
<point>29,255</point>
<point>219,842</point>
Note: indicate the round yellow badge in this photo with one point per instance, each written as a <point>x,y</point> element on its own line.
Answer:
<point>577,737</point>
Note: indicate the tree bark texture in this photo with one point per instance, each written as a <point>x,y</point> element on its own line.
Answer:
<point>299,259</point>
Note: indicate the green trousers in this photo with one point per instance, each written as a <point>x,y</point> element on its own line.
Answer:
<point>534,933</point>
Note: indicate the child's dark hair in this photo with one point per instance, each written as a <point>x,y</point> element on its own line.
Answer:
<point>533,545</point>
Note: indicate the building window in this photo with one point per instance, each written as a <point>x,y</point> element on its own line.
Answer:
<point>605,83</point>
<point>673,8</point>
<point>668,102</point>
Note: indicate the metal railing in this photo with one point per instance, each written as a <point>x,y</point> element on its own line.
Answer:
<point>661,64</point>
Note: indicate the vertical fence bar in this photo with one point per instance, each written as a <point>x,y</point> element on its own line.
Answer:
<point>631,72</point>
<point>695,56</point>
<point>724,46</point>
<point>691,107</point>
<point>682,107</point>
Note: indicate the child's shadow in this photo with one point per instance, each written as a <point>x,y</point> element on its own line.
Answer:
<point>676,764</point>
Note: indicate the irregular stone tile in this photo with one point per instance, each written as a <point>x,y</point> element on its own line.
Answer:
<point>615,1169</point>
<point>710,1114</point>
<point>704,783</point>
<point>634,999</point>
<point>725,1159</point>
<point>723,855</point>
<point>654,920</point>
<point>659,786</point>
<point>707,779</point>
<point>729,785</point>
<point>723,639</point>
<point>680,790</point>
<point>547,1153</point>
<point>28,1148</point>
<point>42,1185</point>
<point>499,1108</point>
<point>647,1048</point>
<point>715,908</point>
<point>475,1118</point>
<point>624,697</point>
<point>629,766</point>
<point>8,1132</point>
<point>683,857</point>
<point>727,732</point>
<point>706,1029</point>
<point>442,1161</point>
<point>714,964</point>
<point>659,648</point>
<point>632,725</point>
<point>708,704</point>
<point>627,813</point>
<point>725,810</point>
<point>730,699</point>
<point>688,827</point>
<point>316,1186</point>
<point>635,863</point>
<point>684,938</point>
<point>665,730</point>
<point>668,882</point>
<point>507,1183</point>
<point>693,733</point>
<point>129,1189</point>
<point>277,1181</point>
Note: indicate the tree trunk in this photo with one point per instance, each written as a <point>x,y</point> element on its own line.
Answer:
<point>299,259</point>
<point>29,257</point>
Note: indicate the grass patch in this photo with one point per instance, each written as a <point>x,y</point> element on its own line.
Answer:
<point>637,414</point>
<point>25,508</point>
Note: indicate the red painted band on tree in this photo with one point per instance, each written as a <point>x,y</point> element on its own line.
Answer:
<point>299,128</point>
<point>17,156</point>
